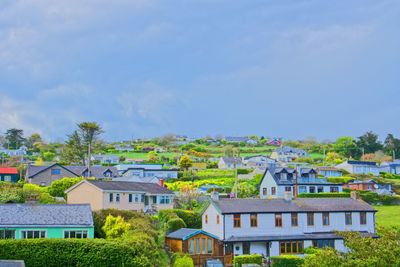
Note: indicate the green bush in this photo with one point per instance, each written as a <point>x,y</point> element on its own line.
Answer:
<point>324,195</point>
<point>287,261</point>
<point>74,252</point>
<point>242,259</point>
<point>340,179</point>
<point>11,193</point>
<point>244,171</point>
<point>57,188</point>
<point>374,198</point>
<point>183,261</point>
<point>192,219</point>
<point>174,224</point>
<point>387,175</point>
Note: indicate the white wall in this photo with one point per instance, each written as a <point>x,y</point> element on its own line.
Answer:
<point>258,248</point>
<point>268,182</point>
<point>212,227</point>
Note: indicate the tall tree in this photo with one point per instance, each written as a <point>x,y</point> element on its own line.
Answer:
<point>74,150</point>
<point>369,142</point>
<point>346,146</point>
<point>14,138</point>
<point>89,132</point>
<point>392,146</point>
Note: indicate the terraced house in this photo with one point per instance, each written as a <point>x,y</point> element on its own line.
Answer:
<point>26,221</point>
<point>285,226</point>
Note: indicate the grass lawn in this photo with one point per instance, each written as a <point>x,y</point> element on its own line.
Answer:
<point>316,156</point>
<point>388,215</point>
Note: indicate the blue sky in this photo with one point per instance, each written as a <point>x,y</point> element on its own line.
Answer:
<point>142,68</point>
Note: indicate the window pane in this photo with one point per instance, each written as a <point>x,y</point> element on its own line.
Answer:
<point>197,245</point>
<point>294,247</point>
<point>203,246</point>
<point>85,234</point>
<point>282,247</point>
<point>300,246</point>
<point>191,246</point>
<point>288,247</point>
<point>42,234</point>
<point>209,247</point>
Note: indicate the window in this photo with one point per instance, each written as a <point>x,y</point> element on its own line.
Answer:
<point>154,199</point>
<point>130,198</point>
<point>310,219</point>
<point>217,219</point>
<point>278,219</point>
<point>264,191</point>
<point>142,198</point>
<point>312,189</point>
<point>111,197</point>
<point>236,220</point>
<point>136,198</point>
<point>76,234</point>
<point>334,189</point>
<point>288,189</point>
<point>209,246</point>
<point>295,221</point>
<point>7,234</point>
<point>363,218</point>
<point>320,189</point>
<point>273,190</point>
<point>167,200</point>
<point>197,245</point>
<point>7,178</point>
<point>203,246</point>
<point>246,248</point>
<point>253,220</point>
<point>348,219</point>
<point>206,218</point>
<point>33,234</point>
<point>325,218</point>
<point>291,247</point>
<point>55,171</point>
<point>117,197</point>
<point>191,246</point>
<point>324,243</point>
<point>163,199</point>
<point>283,176</point>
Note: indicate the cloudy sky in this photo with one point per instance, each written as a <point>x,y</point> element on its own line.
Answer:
<point>142,68</point>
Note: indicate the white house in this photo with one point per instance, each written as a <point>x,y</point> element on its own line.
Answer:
<point>391,167</point>
<point>276,182</point>
<point>229,163</point>
<point>284,226</point>
<point>288,154</point>
<point>106,159</point>
<point>14,152</point>
<point>146,173</point>
<point>258,161</point>
<point>360,167</point>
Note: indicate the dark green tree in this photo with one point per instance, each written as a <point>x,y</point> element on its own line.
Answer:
<point>14,138</point>
<point>369,142</point>
<point>74,150</point>
<point>391,145</point>
<point>346,147</point>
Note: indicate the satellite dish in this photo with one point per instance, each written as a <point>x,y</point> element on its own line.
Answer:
<point>375,186</point>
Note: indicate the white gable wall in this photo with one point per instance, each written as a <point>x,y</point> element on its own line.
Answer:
<point>212,227</point>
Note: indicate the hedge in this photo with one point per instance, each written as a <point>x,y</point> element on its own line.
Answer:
<point>73,252</point>
<point>174,224</point>
<point>242,259</point>
<point>324,195</point>
<point>286,261</point>
<point>339,179</point>
<point>183,261</point>
<point>192,219</point>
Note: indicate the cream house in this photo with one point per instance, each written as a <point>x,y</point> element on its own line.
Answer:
<point>120,195</point>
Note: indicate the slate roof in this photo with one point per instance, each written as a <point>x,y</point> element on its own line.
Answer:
<point>355,162</point>
<point>185,233</point>
<point>96,171</point>
<point>45,215</point>
<point>296,205</point>
<point>232,160</point>
<point>150,188</point>
<point>287,150</point>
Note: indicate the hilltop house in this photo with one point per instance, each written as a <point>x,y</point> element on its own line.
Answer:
<point>258,161</point>
<point>391,167</point>
<point>288,154</point>
<point>285,226</point>
<point>239,139</point>
<point>25,221</point>
<point>327,171</point>
<point>147,197</point>
<point>278,181</point>
<point>150,173</point>
<point>44,175</point>
<point>360,167</point>
<point>106,159</point>
<point>8,174</point>
<point>229,163</point>
<point>370,185</point>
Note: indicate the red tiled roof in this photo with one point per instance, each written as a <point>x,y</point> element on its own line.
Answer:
<point>8,170</point>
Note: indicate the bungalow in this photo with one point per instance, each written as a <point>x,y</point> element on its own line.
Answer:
<point>14,152</point>
<point>284,226</point>
<point>154,173</point>
<point>276,182</point>
<point>360,167</point>
<point>148,197</point>
<point>258,161</point>
<point>229,163</point>
<point>45,175</point>
<point>8,174</point>
<point>25,221</point>
<point>391,167</point>
<point>288,154</point>
<point>329,171</point>
<point>106,159</point>
<point>369,185</point>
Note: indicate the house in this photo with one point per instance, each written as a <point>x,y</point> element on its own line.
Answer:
<point>369,185</point>
<point>276,182</point>
<point>288,154</point>
<point>123,148</point>
<point>14,152</point>
<point>199,244</point>
<point>106,159</point>
<point>274,227</point>
<point>147,197</point>
<point>391,167</point>
<point>327,171</point>
<point>258,161</point>
<point>123,167</point>
<point>360,167</point>
<point>229,163</point>
<point>45,175</point>
<point>238,139</point>
<point>154,173</point>
<point>138,179</point>
<point>8,174</point>
<point>26,221</point>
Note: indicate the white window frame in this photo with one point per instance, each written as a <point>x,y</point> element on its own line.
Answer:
<point>32,230</point>
<point>82,231</point>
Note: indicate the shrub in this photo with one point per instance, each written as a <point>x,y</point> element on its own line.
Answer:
<point>286,261</point>
<point>183,261</point>
<point>73,252</point>
<point>242,259</point>
<point>192,219</point>
<point>57,188</point>
<point>175,224</point>
<point>244,171</point>
<point>340,179</point>
<point>324,195</point>
<point>11,193</point>
<point>115,227</point>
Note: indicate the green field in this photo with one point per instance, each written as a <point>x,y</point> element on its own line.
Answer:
<point>388,216</point>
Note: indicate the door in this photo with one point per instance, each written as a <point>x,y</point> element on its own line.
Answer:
<point>246,248</point>
<point>146,200</point>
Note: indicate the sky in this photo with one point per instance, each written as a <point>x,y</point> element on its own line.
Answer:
<point>142,68</point>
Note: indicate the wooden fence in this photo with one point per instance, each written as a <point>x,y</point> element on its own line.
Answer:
<point>199,260</point>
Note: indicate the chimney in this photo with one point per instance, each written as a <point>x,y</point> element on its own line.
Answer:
<point>355,195</point>
<point>161,182</point>
<point>214,195</point>
<point>288,196</point>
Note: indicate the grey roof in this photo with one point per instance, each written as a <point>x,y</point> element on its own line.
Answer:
<point>33,170</point>
<point>185,233</point>
<point>150,188</point>
<point>96,171</point>
<point>296,205</point>
<point>287,149</point>
<point>45,215</point>
<point>232,160</point>
<point>12,263</point>
<point>275,173</point>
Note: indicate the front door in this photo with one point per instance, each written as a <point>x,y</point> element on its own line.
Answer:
<point>246,248</point>
<point>146,200</point>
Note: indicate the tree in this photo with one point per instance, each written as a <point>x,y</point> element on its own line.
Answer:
<point>89,131</point>
<point>48,156</point>
<point>391,145</point>
<point>115,227</point>
<point>74,151</point>
<point>14,138</point>
<point>153,156</point>
<point>369,142</point>
<point>346,147</point>
<point>185,162</point>
<point>34,142</point>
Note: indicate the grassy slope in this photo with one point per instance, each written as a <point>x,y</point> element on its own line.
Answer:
<point>388,215</point>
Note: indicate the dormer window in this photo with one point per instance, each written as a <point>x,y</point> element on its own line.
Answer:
<point>283,176</point>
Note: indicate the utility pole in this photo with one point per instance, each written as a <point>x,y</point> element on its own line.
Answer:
<point>236,173</point>
<point>394,155</point>
<point>295,193</point>
<point>89,158</point>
